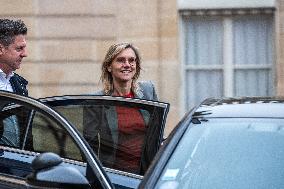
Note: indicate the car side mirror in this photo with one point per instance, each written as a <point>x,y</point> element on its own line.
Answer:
<point>49,171</point>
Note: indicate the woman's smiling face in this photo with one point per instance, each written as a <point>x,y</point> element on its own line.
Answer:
<point>123,67</point>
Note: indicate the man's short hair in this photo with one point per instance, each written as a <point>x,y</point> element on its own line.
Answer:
<point>9,29</point>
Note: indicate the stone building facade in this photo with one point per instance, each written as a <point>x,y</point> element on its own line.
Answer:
<point>68,39</point>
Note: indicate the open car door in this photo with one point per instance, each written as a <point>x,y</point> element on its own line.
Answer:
<point>124,133</point>
<point>38,146</point>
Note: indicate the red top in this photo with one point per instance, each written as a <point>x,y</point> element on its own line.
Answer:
<point>131,128</point>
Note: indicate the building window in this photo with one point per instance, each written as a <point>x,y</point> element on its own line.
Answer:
<point>228,53</point>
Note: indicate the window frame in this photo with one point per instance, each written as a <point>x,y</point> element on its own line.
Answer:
<point>227,67</point>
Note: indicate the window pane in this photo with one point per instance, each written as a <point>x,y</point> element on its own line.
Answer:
<point>40,135</point>
<point>253,45</point>
<point>253,39</point>
<point>204,46</point>
<point>203,84</point>
<point>249,71</point>
<point>117,134</point>
<point>253,83</point>
<point>125,136</point>
<point>48,136</point>
<point>13,125</point>
<point>204,41</point>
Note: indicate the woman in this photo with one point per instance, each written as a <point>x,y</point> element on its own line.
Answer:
<point>119,142</point>
<point>120,71</point>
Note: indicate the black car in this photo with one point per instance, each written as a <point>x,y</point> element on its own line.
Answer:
<point>42,144</point>
<point>228,143</point>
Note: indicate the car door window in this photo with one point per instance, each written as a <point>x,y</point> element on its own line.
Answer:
<point>48,136</point>
<point>28,128</point>
<point>124,133</point>
<point>117,134</point>
<point>13,125</point>
<point>24,128</point>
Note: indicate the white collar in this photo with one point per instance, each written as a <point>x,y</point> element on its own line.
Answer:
<point>5,76</point>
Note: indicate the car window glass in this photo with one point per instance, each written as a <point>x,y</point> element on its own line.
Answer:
<point>23,128</point>
<point>117,135</point>
<point>13,125</point>
<point>49,136</point>
<point>125,136</point>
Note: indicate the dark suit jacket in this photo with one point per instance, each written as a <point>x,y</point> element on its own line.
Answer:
<point>146,91</point>
<point>19,85</point>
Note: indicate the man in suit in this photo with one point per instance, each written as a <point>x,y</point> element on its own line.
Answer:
<point>12,51</point>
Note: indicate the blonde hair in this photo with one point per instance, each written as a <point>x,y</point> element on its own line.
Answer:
<point>111,54</point>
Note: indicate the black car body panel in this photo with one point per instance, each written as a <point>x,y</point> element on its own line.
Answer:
<point>223,143</point>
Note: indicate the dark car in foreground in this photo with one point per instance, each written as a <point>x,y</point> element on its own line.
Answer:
<point>227,143</point>
<point>42,142</point>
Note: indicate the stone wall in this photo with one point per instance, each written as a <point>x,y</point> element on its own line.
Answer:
<point>68,39</point>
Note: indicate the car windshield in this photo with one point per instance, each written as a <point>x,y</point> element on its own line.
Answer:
<point>228,153</point>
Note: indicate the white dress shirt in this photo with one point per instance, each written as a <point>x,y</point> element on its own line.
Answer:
<point>5,81</point>
<point>11,132</point>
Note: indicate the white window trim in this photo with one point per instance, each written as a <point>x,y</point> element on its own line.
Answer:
<point>210,4</point>
<point>228,57</point>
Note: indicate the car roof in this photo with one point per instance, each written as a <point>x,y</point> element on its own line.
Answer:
<point>260,107</point>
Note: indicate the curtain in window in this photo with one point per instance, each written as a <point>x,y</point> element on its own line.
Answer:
<point>253,55</point>
<point>247,72</point>
<point>203,59</point>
